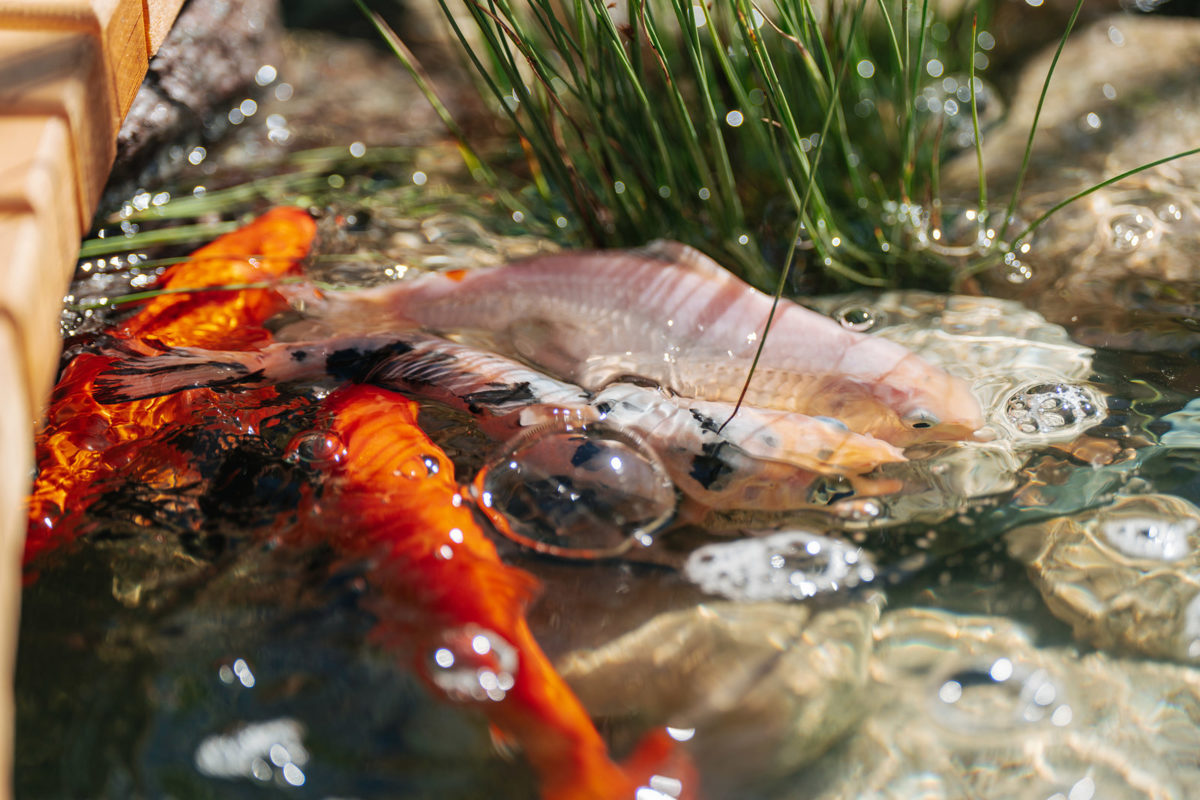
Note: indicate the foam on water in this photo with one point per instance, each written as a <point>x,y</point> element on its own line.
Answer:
<point>789,565</point>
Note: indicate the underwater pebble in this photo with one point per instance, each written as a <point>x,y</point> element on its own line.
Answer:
<point>766,686</point>
<point>952,690</point>
<point>1123,576</point>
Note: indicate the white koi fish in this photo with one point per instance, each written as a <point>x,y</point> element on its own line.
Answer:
<point>668,314</point>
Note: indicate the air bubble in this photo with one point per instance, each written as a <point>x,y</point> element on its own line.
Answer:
<point>315,447</point>
<point>1169,212</point>
<point>473,663</point>
<point>1132,230</point>
<point>576,492</point>
<point>789,565</point>
<point>856,318</point>
<point>418,467</point>
<point>1052,409</point>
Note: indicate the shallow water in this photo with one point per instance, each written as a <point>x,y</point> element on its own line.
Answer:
<point>1020,621</point>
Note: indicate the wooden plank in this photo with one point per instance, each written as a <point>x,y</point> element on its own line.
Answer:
<point>69,70</point>
<point>39,238</point>
<point>15,467</point>
<point>118,25</point>
<point>60,74</point>
<point>160,15</point>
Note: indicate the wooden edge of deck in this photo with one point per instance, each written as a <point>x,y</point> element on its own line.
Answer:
<point>69,70</point>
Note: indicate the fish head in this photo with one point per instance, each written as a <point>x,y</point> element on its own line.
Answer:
<point>937,406</point>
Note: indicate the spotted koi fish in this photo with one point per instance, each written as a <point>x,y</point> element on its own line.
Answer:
<point>438,581</point>
<point>764,458</point>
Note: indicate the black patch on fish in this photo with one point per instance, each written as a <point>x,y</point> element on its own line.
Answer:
<point>517,393</point>
<point>357,365</point>
<point>299,355</point>
<point>708,468</point>
<point>604,408</point>
<point>584,453</point>
<point>706,422</point>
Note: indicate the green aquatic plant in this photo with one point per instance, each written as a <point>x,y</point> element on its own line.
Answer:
<point>706,122</point>
<point>726,125</point>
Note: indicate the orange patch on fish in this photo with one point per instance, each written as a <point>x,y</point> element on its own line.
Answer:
<point>438,577</point>
<point>85,442</point>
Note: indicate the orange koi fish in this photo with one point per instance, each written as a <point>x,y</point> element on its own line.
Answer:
<point>442,590</point>
<point>85,442</point>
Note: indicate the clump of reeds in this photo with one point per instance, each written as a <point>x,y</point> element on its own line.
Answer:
<point>778,137</point>
<point>746,131</point>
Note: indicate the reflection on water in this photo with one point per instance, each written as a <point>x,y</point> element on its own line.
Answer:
<point>1018,619</point>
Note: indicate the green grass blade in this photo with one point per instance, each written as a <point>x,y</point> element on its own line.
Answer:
<point>1016,193</point>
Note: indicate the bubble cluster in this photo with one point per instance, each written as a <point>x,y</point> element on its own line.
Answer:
<point>473,663</point>
<point>1052,409</point>
<point>948,101</point>
<point>265,751</point>
<point>1132,230</point>
<point>789,565</point>
<point>576,492</point>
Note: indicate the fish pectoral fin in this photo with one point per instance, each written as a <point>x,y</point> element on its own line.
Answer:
<point>685,256</point>
<point>598,372</point>
<point>173,370</point>
<point>542,342</point>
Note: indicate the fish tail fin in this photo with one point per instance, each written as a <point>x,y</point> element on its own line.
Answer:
<point>661,763</point>
<point>172,370</point>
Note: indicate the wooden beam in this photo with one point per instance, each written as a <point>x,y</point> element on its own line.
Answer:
<point>69,70</point>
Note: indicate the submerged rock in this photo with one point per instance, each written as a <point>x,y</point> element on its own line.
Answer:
<point>969,708</point>
<point>765,687</point>
<point>1125,577</point>
<point>1118,266</point>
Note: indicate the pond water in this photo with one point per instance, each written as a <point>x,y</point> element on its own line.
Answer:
<point>1019,619</point>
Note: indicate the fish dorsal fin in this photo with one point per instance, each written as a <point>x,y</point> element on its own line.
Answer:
<point>687,257</point>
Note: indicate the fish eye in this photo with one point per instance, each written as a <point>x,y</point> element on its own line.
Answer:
<point>920,419</point>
